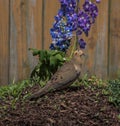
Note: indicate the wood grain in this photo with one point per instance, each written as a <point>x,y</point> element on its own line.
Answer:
<point>97,44</point>
<point>4,41</point>
<point>25,33</point>
<point>34,29</point>
<point>26,24</point>
<point>50,10</point>
<point>114,41</point>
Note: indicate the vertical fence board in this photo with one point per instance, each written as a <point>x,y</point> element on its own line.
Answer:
<point>18,38</point>
<point>34,23</point>
<point>25,33</point>
<point>97,44</point>
<point>114,44</point>
<point>26,24</point>
<point>4,41</point>
<point>50,10</point>
<point>34,29</point>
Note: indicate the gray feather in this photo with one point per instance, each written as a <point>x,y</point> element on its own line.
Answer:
<point>64,77</point>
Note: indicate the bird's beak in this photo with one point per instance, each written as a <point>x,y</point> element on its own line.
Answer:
<point>81,53</point>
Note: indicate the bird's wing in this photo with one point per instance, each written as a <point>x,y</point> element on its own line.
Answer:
<point>64,75</point>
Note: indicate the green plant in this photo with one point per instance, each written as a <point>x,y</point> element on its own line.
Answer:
<point>13,90</point>
<point>49,62</point>
<point>92,81</point>
<point>114,92</point>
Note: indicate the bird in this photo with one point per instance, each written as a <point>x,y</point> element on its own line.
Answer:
<point>64,77</point>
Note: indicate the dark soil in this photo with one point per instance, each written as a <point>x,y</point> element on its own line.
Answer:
<point>71,107</point>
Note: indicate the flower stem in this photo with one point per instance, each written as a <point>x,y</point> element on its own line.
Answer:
<point>74,47</point>
<point>77,13</point>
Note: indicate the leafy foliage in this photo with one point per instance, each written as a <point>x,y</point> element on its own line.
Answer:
<point>91,82</point>
<point>49,62</point>
<point>110,88</point>
<point>114,90</point>
<point>13,90</point>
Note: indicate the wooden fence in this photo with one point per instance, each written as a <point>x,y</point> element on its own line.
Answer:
<point>25,24</point>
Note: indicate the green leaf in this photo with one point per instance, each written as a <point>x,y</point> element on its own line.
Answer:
<point>59,57</point>
<point>53,61</point>
<point>34,51</point>
<point>49,61</point>
<point>43,56</point>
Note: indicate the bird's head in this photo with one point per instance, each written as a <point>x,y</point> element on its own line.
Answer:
<point>78,58</point>
<point>79,53</point>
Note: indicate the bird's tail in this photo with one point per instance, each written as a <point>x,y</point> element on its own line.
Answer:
<point>41,92</point>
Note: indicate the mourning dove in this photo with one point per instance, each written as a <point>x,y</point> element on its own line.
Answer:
<point>64,77</point>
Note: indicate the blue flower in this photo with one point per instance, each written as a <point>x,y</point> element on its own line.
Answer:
<point>60,33</point>
<point>84,22</point>
<point>82,43</point>
<point>78,32</point>
<point>91,9</point>
<point>71,19</point>
<point>98,1</point>
<point>52,47</point>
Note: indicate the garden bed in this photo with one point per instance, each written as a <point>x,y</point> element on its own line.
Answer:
<point>75,106</point>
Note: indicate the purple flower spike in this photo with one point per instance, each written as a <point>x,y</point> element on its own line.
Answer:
<point>87,6</point>
<point>78,32</point>
<point>98,1</point>
<point>82,43</point>
<point>72,19</point>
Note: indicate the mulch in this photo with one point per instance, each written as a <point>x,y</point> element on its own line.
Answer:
<point>75,106</point>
